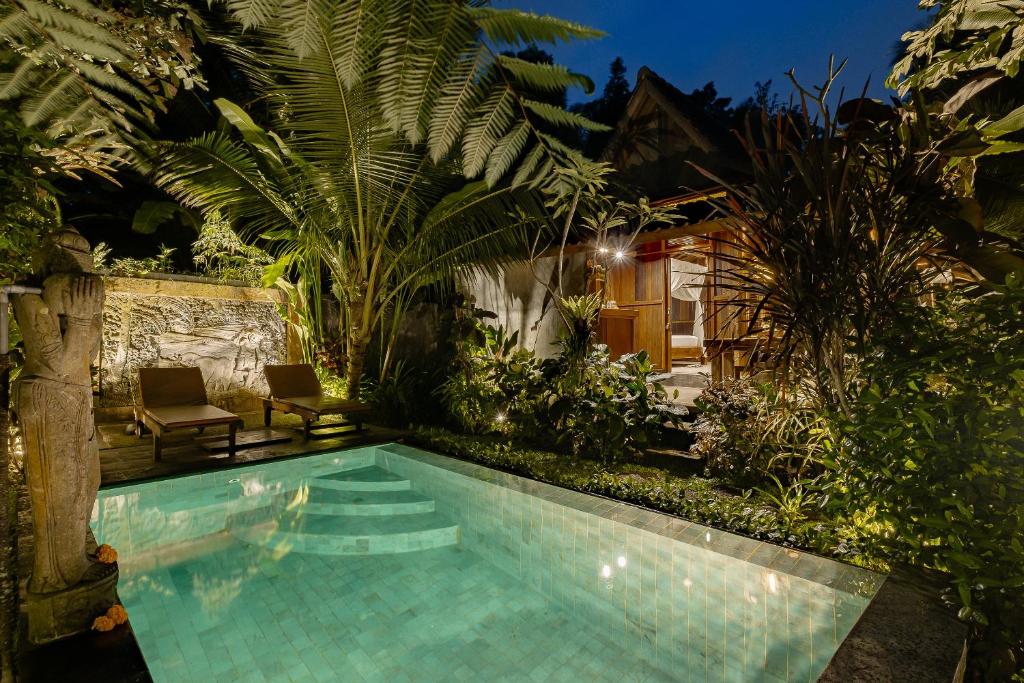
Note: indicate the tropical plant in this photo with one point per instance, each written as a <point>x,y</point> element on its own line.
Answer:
<point>128,266</point>
<point>748,432</point>
<point>580,314</point>
<point>92,74</point>
<point>219,253</point>
<point>27,208</point>
<point>967,65</point>
<point>492,384</point>
<point>834,230</point>
<point>586,405</point>
<point>794,500</point>
<point>381,111</point>
<point>602,409</point>
<point>935,449</point>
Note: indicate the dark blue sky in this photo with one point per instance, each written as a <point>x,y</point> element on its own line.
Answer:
<point>735,42</point>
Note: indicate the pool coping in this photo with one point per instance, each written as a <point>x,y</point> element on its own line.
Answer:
<point>821,570</point>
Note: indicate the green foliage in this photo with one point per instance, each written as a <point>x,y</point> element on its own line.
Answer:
<point>965,37</point>
<point>585,405</point>
<point>831,235</point>
<point>90,73</point>
<point>492,381</point>
<point>965,65</point>
<point>128,266</point>
<point>219,253</point>
<point>580,314</point>
<point>935,446</point>
<point>697,499</point>
<point>382,111</point>
<point>749,432</point>
<point>603,409</point>
<point>27,207</point>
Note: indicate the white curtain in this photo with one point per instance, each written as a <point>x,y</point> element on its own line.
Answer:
<point>688,285</point>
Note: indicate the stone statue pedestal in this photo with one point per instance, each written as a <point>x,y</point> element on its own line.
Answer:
<point>63,613</point>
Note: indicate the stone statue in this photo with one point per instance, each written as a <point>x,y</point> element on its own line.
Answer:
<point>53,400</point>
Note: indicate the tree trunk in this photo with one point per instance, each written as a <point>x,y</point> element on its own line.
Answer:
<point>358,337</point>
<point>356,358</point>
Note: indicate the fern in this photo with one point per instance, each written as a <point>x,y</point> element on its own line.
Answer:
<point>505,152</point>
<point>355,33</point>
<point>302,22</point>
<point>547,77</point>
<point>482,133</point>
<point>459,96</point>
<point>560,117</point>
<point>514,27</point>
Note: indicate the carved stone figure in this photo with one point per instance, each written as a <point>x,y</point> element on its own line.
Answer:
<point>53,401</point>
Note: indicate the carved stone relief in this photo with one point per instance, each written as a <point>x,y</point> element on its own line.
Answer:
<point>230,340</point>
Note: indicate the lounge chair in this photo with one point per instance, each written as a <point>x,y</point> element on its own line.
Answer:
<point>295,389</point>
<point>175,398</point>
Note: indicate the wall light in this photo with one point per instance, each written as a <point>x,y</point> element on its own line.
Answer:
<point>619,255</point>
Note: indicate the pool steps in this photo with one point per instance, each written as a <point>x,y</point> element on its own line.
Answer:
<point>365,510</point>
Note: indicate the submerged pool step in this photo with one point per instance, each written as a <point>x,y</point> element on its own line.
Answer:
<point>370,478</point>
<point>330,501</point>
<point>300,531</point>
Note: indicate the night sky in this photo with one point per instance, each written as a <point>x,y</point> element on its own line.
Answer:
<point>735,42</point>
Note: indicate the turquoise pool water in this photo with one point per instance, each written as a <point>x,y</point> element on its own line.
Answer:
<point>393,564</point>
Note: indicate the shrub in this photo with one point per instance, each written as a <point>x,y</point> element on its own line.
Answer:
<point>936,447</point>
<point>600,407</point>
<point>493,383</point>
<point>219,253</point>
<point>750,433</point>
<point>697,499</point>
<point>586,406</point>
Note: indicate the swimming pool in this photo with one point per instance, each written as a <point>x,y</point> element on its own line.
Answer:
<point>390,563</point>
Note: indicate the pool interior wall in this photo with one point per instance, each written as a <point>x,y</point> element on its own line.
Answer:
<point>395,564</point>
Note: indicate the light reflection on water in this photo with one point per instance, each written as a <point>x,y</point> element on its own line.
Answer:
<point>238,573</point>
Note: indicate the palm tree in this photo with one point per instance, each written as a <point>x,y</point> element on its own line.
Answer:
<point>382,111</point>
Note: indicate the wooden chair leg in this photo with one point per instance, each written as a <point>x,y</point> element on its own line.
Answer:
<point>266,415</point>
<point>307,429</point>
<point>232,428</point>
<point>157,446</point>
<point>139,428</point>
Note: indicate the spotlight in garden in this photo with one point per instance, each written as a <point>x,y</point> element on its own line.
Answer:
<point>500,418</point>
<point>619,255</point>
<point>602,250</point>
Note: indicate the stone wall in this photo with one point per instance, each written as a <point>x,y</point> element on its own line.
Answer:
<point>522,302</point>
<point>229,332</point>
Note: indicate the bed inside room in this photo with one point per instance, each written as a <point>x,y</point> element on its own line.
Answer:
<point>687,309</point>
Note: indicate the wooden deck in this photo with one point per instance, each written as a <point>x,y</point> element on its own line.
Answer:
<point>127,458</point>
